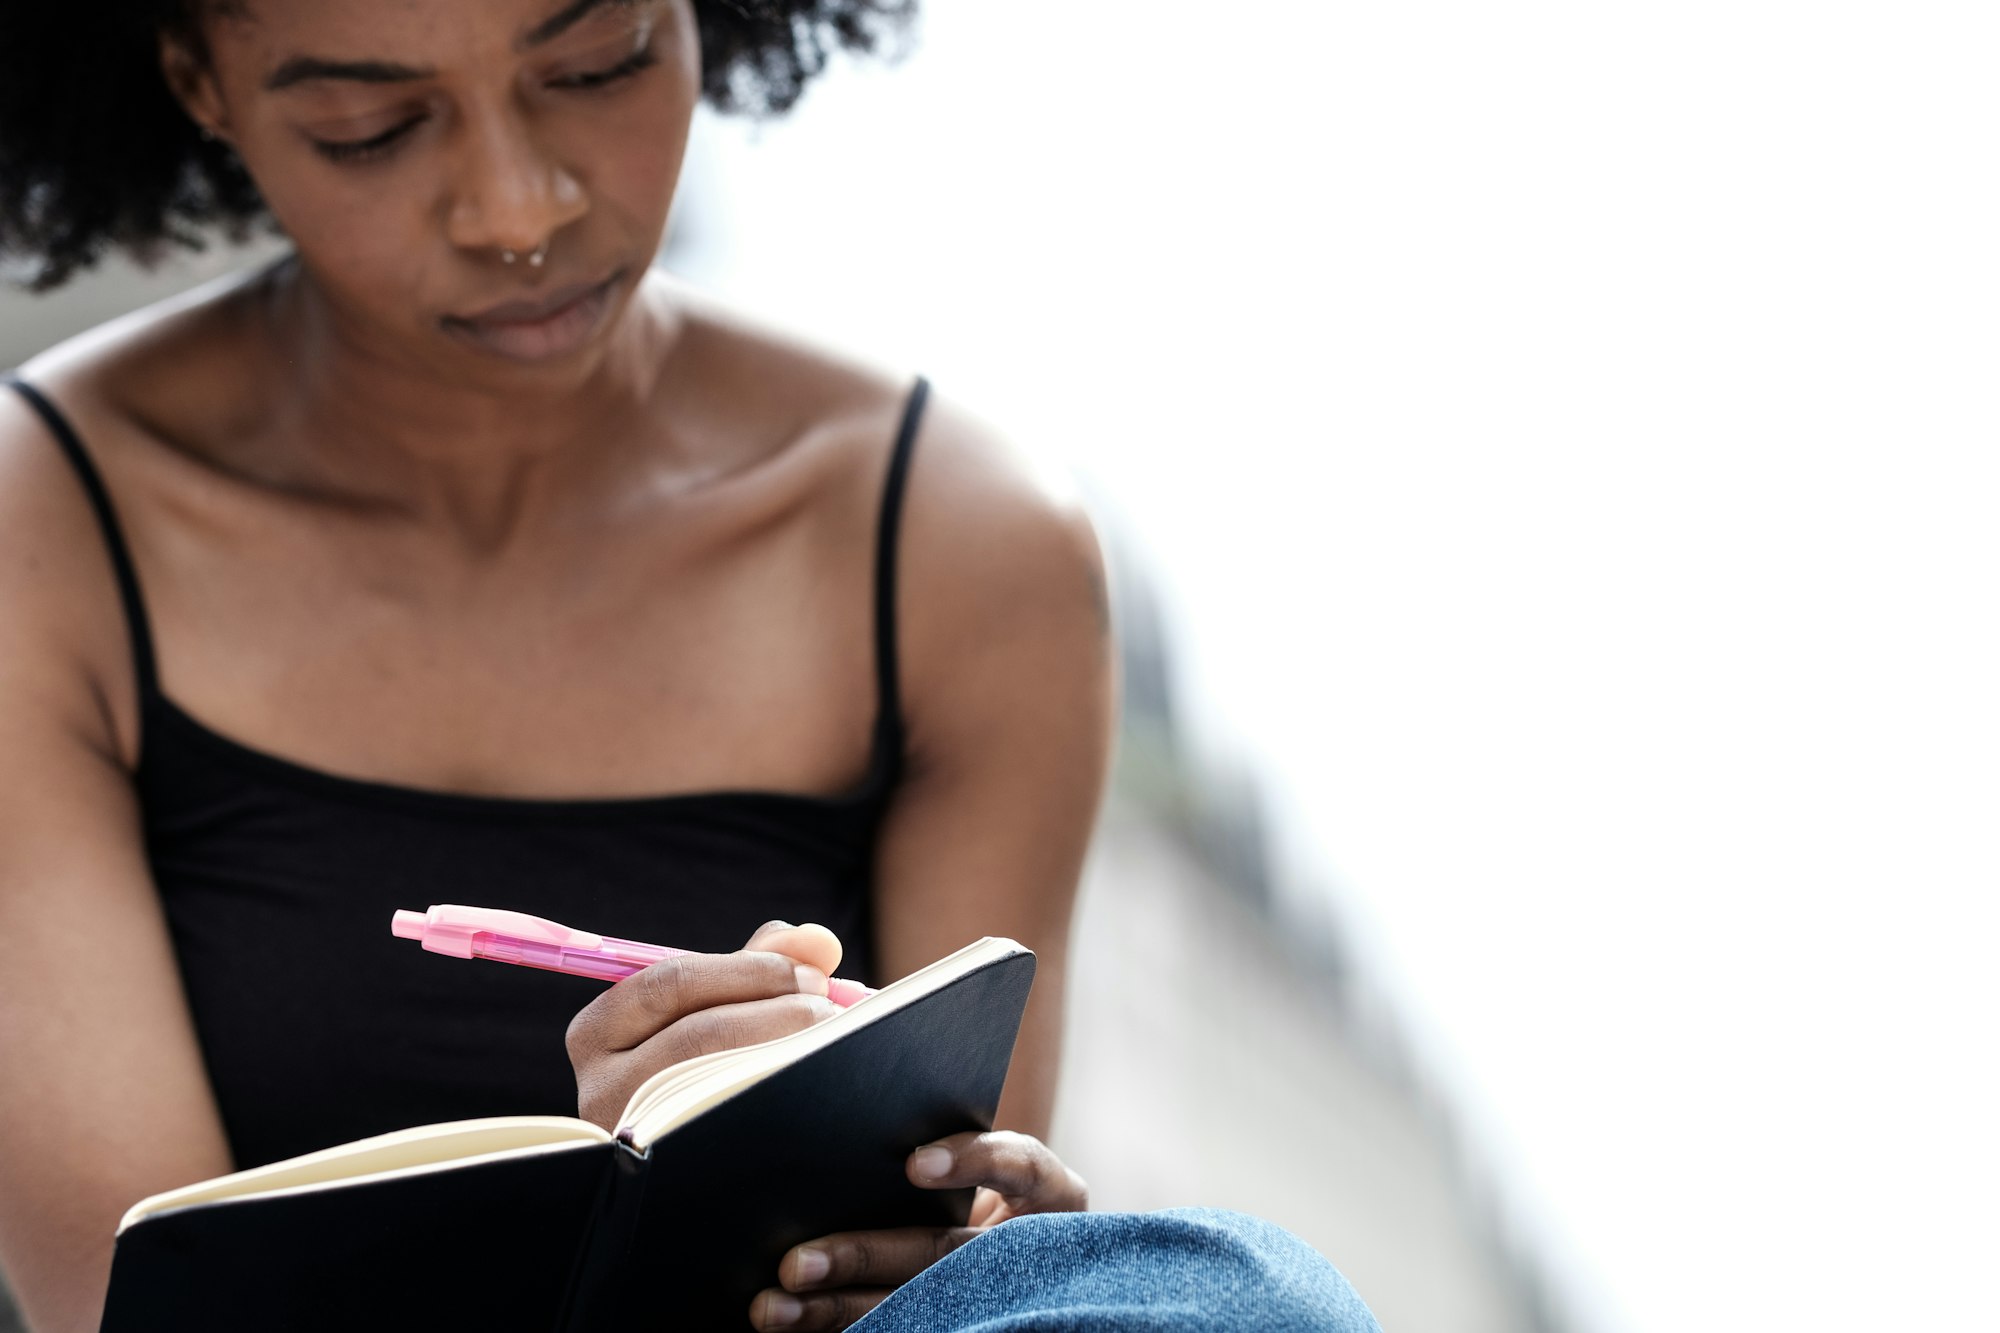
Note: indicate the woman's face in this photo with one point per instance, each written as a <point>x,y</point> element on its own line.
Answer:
<point>406,145</point>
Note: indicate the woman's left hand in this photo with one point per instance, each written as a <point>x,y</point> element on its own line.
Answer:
<point>831,1282</point>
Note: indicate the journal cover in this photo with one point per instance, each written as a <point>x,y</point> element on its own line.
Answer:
<point>584,1236</point>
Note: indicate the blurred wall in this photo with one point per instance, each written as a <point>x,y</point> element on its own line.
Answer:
<point>30,323</point>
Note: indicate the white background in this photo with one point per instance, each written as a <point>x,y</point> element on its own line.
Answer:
<point>1566,437</point>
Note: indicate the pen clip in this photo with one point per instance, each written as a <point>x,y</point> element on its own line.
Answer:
<point>450,928</point>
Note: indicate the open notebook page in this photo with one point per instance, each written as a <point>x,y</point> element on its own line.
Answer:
<point>402,1152</point>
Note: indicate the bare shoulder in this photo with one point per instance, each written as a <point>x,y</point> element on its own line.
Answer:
<point>988,514</point>
<point>751,376</point>
<point>58,590</point>
<point>182,346</point>
<point>1001,578</point>
<point>999,566</point>
<point>968,476</point>
<point>58,597</point>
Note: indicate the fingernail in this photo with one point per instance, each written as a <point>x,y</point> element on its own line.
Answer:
<point>933,1163</point>
<point>812,981</point>
<point>782,1311</point>
<point>810,1265</point>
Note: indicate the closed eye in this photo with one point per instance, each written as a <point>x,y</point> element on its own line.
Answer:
<point>624,69</point>
<point>360,150</point>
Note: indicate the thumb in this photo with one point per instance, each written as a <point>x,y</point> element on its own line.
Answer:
<point>813,945</point>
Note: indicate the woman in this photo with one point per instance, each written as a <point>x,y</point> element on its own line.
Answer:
<point>462,556</point>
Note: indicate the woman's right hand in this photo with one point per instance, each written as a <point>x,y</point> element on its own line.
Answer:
<point>694,1004</point>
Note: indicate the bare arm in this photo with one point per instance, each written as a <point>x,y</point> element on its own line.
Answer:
<point>105,1098</point>
<point>1009,699</point>
<point>1008,689</point>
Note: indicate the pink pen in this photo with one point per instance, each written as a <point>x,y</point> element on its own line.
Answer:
<point>532,941</point>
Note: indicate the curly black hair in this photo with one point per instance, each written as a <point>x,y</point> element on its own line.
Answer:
<point>96,153</point>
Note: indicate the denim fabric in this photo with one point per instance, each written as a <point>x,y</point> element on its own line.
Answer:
<point>1186,1268</point>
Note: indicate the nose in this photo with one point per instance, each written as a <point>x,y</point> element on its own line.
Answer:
<point>508,192</point>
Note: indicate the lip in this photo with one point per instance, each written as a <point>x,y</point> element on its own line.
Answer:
<point>547,325</point>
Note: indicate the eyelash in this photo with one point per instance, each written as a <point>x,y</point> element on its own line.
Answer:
<point>624,69</point>
<point>590,81</point>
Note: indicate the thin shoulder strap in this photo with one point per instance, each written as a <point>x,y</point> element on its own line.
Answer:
<point>889,696</point>
<point>107,520</point>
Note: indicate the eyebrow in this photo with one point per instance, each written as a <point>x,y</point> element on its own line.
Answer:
<point>303,69</point>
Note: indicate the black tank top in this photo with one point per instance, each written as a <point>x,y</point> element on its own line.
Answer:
<point>318,1026</point>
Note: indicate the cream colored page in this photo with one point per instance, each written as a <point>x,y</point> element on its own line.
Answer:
<point>405,1151</point>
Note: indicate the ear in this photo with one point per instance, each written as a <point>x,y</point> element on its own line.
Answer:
<point>191,79</point>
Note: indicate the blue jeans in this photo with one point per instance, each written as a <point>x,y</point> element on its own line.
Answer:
<point>1183,1269</point>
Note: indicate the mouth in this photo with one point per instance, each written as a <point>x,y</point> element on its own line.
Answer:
<point>548,325</point>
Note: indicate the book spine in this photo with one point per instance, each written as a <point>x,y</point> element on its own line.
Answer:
<point>601,1258</point>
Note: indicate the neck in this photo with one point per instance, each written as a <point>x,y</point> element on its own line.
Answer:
<point>483,459</point>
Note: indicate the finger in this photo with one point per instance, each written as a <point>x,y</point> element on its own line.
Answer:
<point>654,997</point>
<point>988,1209</point>
<point>773,1309</point>
<point>813,945</point>
<point>1020,1168</point>
<point>727,1027</point>
<point>868,1258</point>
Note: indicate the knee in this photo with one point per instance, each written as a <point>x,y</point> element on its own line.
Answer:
<point>1189,1268</point>
<point>1261,1275</point>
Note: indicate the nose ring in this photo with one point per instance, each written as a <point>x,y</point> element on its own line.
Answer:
<point>535,258</point>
